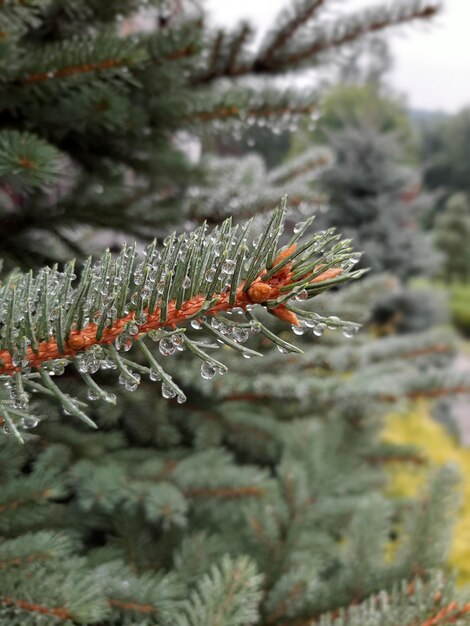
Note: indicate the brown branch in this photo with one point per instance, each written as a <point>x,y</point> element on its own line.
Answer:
<point>132,606</point>
<point>260,292</point>
<point>316,48</point>
<point>35,556</point>
<point>288,30</point>
<point>232,111</point>
<point>226,493</point>
<point>12,506</point>
<point>72,70</point>
<point>59,612</point>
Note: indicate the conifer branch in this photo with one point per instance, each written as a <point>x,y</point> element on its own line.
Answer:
<point>49,322</point>
<point>347,30</point>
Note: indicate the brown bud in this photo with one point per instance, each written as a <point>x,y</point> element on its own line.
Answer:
<point>76,342</point>
<point>259,292</point>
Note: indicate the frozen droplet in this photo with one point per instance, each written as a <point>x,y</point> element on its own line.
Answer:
<point>239,334</point>
<point>186,282</point>
<point>228,266</point>
<point>110,397</point>
<point>168,391</point>
<point>181,399</point>
<point>301,295</point>
<point>196,324</point>
<point>319,329</point>
<point>255,326</point>
<point>166,346</point>
<point>298,330</point>
<point>208,370</point>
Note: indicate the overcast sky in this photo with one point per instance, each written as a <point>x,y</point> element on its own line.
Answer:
<point>432,63</point>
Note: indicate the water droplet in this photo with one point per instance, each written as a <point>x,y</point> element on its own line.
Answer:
<point>355,258</point>
<point>30,421</point>
<point>349,331</point>
<point>210,274</point>
<point>186,282</point>
<point>110,397</point>
<point>301,295</point>
<point>255,326</point>
<point>196,324</point>
<point>167,391</point>
<point>282,350</point>
<point>240,335</point>
<point>319,329</point>
<point>132,328</point>
<point>228,267</point>
<point>178,341</point>
<point>166,346</point>
<point>154,375</point>
<point>208,370</point>
<point>298,330</point>
<point>332,322</point>
<point>298,227</point>
<point>126,344</point>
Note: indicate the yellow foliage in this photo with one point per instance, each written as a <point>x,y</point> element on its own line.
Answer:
<point>418,428</point>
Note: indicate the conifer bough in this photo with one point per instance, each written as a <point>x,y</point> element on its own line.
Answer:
<point>47,322</point>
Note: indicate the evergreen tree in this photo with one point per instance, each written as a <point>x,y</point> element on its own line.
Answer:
<point>374,197</point>
<point>260,500</point>
<point>452,234</point>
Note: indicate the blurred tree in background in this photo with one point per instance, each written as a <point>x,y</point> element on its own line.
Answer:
<point>261,500</point>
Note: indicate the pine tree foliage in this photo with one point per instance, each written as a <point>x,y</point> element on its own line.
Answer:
<point>82,90</point>
<point>262,499</point>
<point>368,189</point>
<point>47,323</point>
<point>243,187</point>
<point>452,235</point>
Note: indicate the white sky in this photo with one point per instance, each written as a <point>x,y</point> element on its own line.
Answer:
<point>432,62</point>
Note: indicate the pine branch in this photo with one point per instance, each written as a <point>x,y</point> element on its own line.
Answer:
<point>301,14</point>
<point>346,30</point>
<point>49,321</point>
<point>26,162</point>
